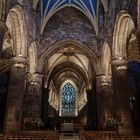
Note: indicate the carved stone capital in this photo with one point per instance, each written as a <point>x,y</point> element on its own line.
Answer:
<point>19,62</point>
<point>119,64</point>
<point>104,80</point>
<point>34,78</point>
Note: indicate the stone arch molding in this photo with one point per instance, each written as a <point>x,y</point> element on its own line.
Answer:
<point>17,27</point>
<point>33,58</point>
<point>124,27</point>
<point>80,46</point>
<point>106,59</point>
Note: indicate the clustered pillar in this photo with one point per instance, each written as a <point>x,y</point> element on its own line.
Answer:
<point>32,101</point>
<point>104,95</point>
<point>122,94</point>
<point>90,111</point>
<point>15,95</point>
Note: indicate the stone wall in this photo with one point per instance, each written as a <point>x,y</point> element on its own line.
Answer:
<point>69,23</point>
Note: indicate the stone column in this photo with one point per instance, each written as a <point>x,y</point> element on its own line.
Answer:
<point>104,98</point>
<point>33,97</point>
<point>122,94</point>
<point>45,106</point>
<point>14,106</point>
<point>3,29</point>
<point>90,111</point>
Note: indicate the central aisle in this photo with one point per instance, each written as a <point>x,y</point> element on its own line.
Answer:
<point>69,136</point>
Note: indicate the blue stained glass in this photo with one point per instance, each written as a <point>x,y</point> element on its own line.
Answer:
<point>68,98</point>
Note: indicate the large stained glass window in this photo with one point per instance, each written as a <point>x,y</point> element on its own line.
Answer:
<point>68,100</point>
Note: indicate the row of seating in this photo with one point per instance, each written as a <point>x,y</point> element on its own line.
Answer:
<point>32,135</point>
<point>105,135</point>
<point>54,135</point>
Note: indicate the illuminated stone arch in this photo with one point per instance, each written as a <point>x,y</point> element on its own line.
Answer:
<point>33,59</point>
<point>17,27</point>
<point>46,54</point>
<point>79,46</point>
<point>124,27</point>
<point>106,59</point>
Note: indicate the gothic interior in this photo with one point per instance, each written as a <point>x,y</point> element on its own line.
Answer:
<point>70,62</point>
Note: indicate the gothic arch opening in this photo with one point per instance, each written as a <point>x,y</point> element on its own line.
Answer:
<point>16,37</point>
<point>68,62</point>
<point>68,55</point>
<point>124,27</point>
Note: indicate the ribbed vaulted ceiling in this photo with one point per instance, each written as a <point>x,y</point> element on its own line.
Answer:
<point>87,7</point>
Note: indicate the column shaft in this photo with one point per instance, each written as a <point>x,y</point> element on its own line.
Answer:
<point>33,98</point>
<point>122,94</point>
<point>105,107</point>
<point>45,106</point>
<point>91,111</point>
<point>15,95</point>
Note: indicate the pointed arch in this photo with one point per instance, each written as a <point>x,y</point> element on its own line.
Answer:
<point>33,58</point>
<point>68,95</point>
<point>124,27</point>
<point>17,26</point>
<point>80,46</point>
<point>106,59</point>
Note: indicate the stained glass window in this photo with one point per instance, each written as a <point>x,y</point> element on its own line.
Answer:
<point>68,100</point>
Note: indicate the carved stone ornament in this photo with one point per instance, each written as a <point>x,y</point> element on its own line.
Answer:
<point>19,62</point>
<point>120,64</point>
